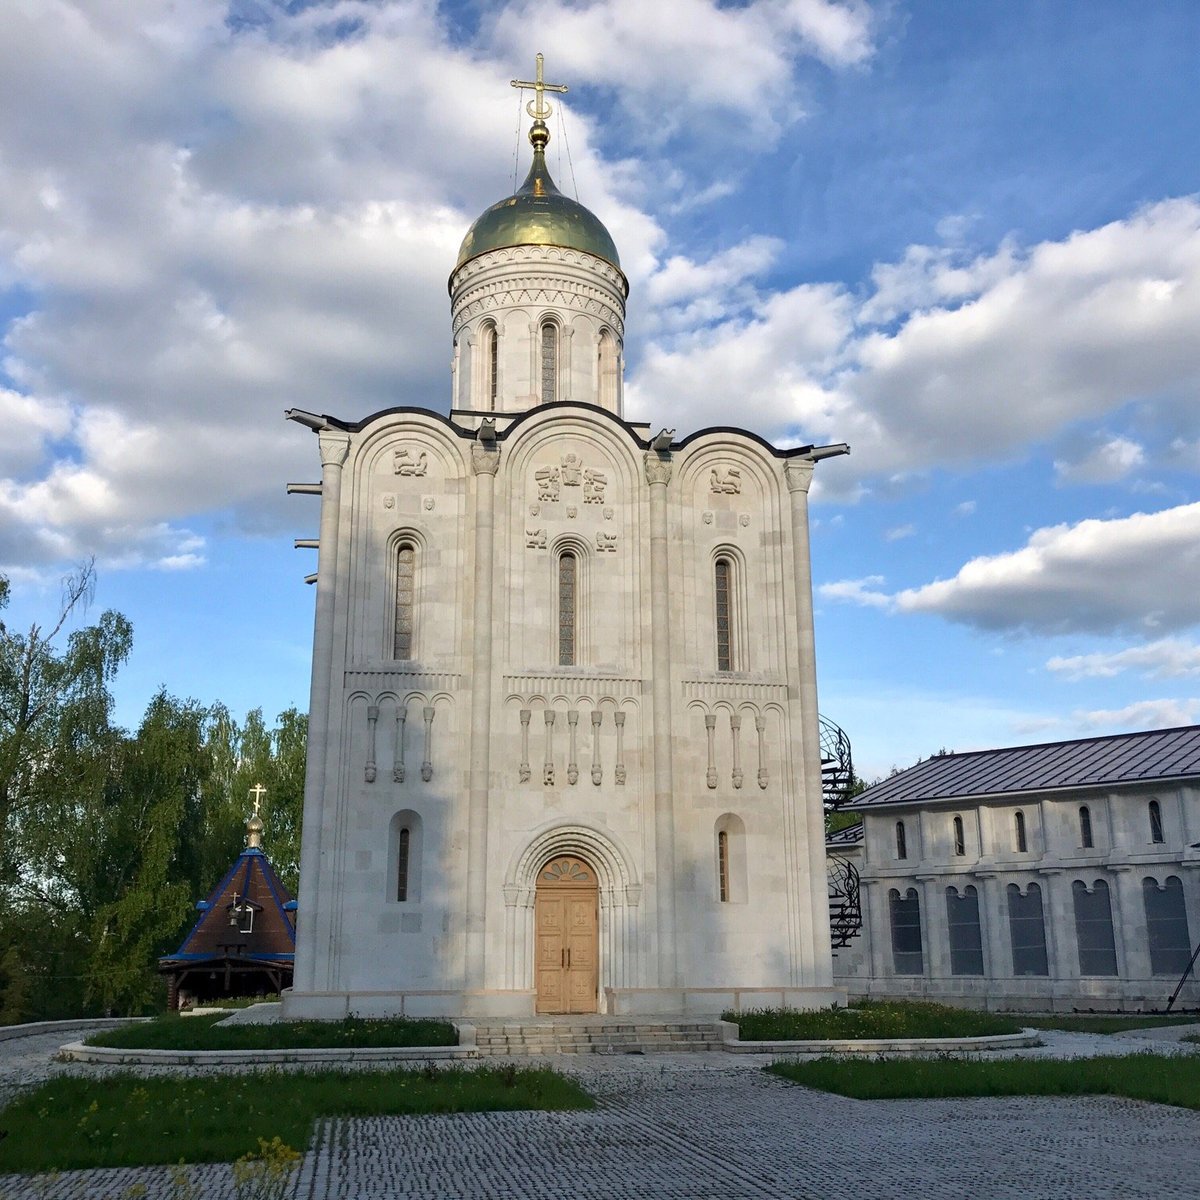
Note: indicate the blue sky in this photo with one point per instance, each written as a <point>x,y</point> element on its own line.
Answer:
<point>964,238</point>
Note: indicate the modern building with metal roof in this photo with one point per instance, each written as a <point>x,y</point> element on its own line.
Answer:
<point>1057,876</point>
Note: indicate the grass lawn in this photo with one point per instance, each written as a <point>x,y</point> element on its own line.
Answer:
<point>1105,1023</point>
<point>173,1032</point>
<point>1160,1078</point>
<point>869,1019</point>
<point>124,1120</point>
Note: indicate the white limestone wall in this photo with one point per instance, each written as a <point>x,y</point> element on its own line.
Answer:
<point>514,290</point>
<point>589,781</point>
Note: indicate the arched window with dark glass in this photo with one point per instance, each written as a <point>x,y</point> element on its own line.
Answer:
<point>549,362</point>
<point>731,859</point>
<point>723,865</point>
<point>907,956</point>
<point>960,839</point>
<point>1085,827</point>
<point>404,846</point>
<point>568,608</point>
<point>1027,930</point>
<point>1094,928</point>
<point>404,854</point>
<point>1019,829</point>
<point>1167,926</point>
<point>406,566</point>
<point>723,589</point>
<point>1156,822</point>
<point>966,940</point>
<point>491,365</point>
<point>901,841</point>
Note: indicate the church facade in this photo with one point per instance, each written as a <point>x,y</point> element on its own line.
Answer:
<point>563,744</point>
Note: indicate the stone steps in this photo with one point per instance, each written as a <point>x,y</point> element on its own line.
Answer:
<point>598,1037</point>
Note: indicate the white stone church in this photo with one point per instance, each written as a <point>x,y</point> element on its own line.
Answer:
<point>563,744</point>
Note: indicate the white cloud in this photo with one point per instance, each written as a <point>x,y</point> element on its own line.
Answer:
<point>1167,658</point>
<point>966,508</point>
<point>857,591</point>
<point>1143,714</point>
<point>1100,459</point>
<point>899,532</point>
<point>1140,572</point>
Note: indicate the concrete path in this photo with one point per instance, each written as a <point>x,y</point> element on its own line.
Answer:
<point>703,1126</point>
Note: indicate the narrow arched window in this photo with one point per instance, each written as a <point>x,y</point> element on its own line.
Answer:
<point>1156,824</point>
<point>901,841</point>
<point>568,608</point>
<point>403,849</point>
<point>723,865</point>
<point>905,913</point>
<point>491,363</point>
<point>1027,931</point>
<point>723,587</point>
<point>731,859</point>
<point>966,940</point>
<point>608,370</point>
<point>1085,827</point>
<point>1094,928</point>
<point>406,566</point>
<point>1167,926</point>
<point>960,840</point>
<point>549,362</point>
<point>1022,840</point>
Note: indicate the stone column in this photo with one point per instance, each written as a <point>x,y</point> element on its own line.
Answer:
<point>1130,934</point>
<point>1058,919</point>
<point>816,962</point>
<point>484,462</point>
<point>877,920</point>
<point>993,902</point>
<point>313,918</point>
<point>936,929</point>
<point>658,475</point>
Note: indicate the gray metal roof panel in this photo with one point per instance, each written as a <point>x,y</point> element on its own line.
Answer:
<point>1086,762</point>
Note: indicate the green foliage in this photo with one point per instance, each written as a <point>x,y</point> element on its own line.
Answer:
<point>868,1019</point>
<point>74,1122</point>
<point>1112,1023</point>
<point>267,1174</point>
<point>1161,1078</point>
<point>107,839</point>
<point>173,1032</point>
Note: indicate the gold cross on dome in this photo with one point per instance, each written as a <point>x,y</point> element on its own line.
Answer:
<point>258,792</point>
<point>537,108</point>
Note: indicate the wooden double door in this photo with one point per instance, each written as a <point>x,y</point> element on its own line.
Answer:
<point>566,921</point>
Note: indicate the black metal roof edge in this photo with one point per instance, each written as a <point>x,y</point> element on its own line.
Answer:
<point>850,835</point>
<point>470,434</point>
<point>1086,785</point>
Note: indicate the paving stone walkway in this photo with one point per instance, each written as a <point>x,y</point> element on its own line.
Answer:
<point>709,1126</point>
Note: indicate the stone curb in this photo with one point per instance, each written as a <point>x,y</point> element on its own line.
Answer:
<point>1000,1041</point>
<point>117,1056</point>
<point>33,1028</point>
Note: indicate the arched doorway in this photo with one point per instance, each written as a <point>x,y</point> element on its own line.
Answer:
<point>567,936</point>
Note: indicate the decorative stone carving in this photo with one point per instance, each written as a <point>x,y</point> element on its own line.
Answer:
<point>608,514</point>
<point>548,765</point>
<point>389,501</point>
<point>535,539</point>
<point>594,483</point>
<point>534,509</point>
<point>427,765</point>
<point>760,725</point>
<point>710,726</point>
<point>744,520</point>
<point>735,728</point>
<point>372,720</point>
<point>547,482</point>
<point>597,772</point>
<point>606,543</point>
<point>726,481</point>
<point>333,447</point>
<point>572,511</point>
<point>619,769</point>
<point>409,462</point>
<point>427,504</point>
<point>398,761</point>
<point>572,470</point>
<point>572,764</point>
<point>658,467</point>
<point>483,460</point>
<point>798,472</point>
<point>708,518</point>
<point>523,769</point>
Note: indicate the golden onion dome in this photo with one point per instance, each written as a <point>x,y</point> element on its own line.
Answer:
<point>538,214</point>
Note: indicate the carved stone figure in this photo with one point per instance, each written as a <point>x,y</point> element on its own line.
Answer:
<point>726,480</point>
<point>535,539</point>
<point>547,482</point>
<point>409,463</point>
<point>606,543</point>
<point>572,469</point>
<point>594,483</point>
